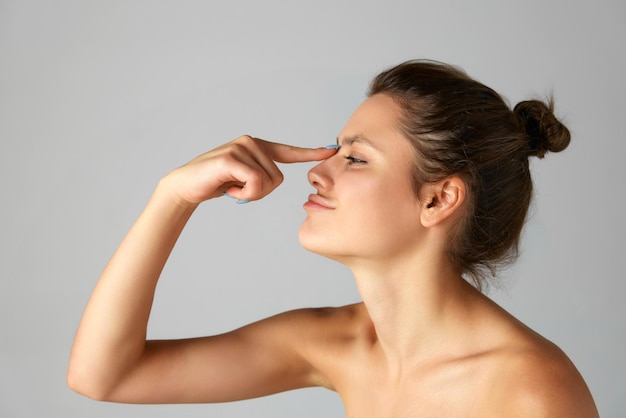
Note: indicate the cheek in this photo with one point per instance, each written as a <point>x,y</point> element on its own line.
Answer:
<point>393,196</point>
<point>386,207</point>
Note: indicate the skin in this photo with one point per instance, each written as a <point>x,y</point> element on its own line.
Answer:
<point>422,343</point>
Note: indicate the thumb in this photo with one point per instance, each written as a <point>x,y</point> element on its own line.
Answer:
<point>283,153</point>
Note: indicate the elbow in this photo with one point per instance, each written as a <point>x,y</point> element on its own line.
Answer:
<point>83,383</point>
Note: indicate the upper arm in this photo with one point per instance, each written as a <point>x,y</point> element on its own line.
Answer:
<point>259,359</point>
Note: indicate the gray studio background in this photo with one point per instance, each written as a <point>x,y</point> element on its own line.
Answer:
<point>98,100</point>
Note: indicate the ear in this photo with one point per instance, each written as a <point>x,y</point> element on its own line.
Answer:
<point>442,200</point>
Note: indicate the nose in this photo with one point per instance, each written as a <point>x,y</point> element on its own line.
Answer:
<point>320,177</point>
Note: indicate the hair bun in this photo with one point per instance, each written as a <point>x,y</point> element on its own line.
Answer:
<point>545,132</point>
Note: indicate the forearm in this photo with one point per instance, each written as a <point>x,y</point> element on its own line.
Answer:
<point>111,336</point>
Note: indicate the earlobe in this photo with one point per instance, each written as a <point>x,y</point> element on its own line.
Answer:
<point>445,199</point>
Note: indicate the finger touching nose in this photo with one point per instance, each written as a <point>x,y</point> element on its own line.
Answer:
<point>290,154</point>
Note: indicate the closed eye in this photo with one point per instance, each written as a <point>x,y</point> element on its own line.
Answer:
<point>354,160</point>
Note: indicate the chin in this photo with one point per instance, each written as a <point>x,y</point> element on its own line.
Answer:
<point>309,241</point>
<point>322,245</point>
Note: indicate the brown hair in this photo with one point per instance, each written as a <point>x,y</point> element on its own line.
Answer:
<point>459,126</point>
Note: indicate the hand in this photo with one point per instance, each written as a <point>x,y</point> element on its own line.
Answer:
<point>244,168</point>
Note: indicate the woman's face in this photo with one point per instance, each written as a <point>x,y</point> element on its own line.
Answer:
<point>365,205</point>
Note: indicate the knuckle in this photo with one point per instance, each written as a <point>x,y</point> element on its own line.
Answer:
<point>245,140</point>
<point>247,144</point>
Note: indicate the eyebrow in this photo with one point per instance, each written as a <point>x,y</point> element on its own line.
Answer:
<point>356,138</point>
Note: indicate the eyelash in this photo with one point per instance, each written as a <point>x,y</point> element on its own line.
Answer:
<point>354,160</point>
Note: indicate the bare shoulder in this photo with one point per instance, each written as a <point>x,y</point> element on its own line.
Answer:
<point>329,326</point>
<point>337,319</point>
<point>328,337</point>
<point>536,378</point>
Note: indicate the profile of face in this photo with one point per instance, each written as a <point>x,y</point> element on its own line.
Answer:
<point>365,206</point>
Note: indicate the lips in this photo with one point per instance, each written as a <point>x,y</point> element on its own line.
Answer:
<point>317,202</point>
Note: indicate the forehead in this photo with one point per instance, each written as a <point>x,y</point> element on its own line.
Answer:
<point>378,120</point>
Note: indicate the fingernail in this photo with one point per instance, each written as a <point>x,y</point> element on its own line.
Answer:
<point>332,146</point>
<point>237,201</point>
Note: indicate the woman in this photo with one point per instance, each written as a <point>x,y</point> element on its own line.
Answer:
<point>429,183</point>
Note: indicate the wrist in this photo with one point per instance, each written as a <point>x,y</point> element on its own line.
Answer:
<point>166,192</point>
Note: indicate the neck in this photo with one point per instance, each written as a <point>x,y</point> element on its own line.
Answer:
<point>415,304</point>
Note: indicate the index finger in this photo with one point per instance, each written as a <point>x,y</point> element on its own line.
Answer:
<point>283,153</point>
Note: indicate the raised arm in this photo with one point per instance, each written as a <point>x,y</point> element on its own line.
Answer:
<point>111,359</point>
